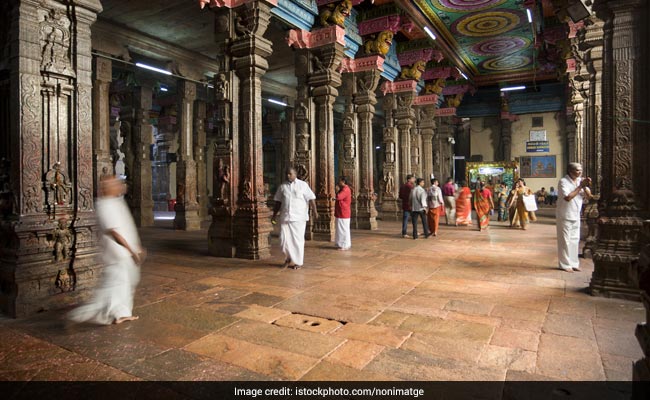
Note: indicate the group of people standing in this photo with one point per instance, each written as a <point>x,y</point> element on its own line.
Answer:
<point>420,203</point>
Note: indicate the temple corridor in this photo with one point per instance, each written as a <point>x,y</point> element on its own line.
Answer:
<point>466,305</point>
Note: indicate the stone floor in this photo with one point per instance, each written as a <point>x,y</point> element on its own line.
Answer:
<point>466,305</point>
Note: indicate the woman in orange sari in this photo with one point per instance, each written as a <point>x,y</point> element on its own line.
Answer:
<point>464,205</point>
<point>483,204</point>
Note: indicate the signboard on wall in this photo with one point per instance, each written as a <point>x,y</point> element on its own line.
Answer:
<point>537,146</point>
<point>538,167</point>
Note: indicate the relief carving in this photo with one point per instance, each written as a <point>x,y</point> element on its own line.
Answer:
<point>58,187</point>
<point>221,87</point>
<point>61,239</point>
<point>65,280</point>
<point>389,183</point>
<point>31,150</point>
<point>55,42</point>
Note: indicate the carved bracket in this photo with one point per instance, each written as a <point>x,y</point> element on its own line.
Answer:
<point>399,86</point>
<point>362,64</point>
<point>302,39</point>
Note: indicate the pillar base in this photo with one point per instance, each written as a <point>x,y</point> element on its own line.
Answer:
<point>252,232</point>
<point>220,243</point>
<point>34,280</point>
<point>391,210</point>
<point>187,220</point>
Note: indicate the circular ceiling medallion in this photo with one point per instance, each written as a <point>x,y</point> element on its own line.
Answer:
<point>466,5</point>
<point>502,45</point>
<point>490,23</point>
<point>505,63</point>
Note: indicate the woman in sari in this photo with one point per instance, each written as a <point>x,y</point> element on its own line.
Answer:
<point>464,205</point>
<point>483,204</point>
<point>518,212</point>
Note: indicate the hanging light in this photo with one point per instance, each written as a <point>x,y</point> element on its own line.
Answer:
<point>430,33</point>
<point>149,67</point>
<point>511,88</point>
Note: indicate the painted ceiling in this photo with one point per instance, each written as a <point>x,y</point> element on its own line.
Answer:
<point>493,38</point>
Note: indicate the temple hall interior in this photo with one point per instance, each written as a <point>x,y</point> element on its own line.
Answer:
<point>201,108</point>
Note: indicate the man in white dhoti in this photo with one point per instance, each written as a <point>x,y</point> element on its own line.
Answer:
<point>293,198</point>
<point>112,301</point>
<point>572,190</point>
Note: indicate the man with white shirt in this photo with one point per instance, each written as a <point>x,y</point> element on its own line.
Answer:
<point>572,190</point>
<point>293,198</point>
<point>419,206</point>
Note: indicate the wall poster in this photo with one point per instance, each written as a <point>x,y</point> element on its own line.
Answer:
<point>538,167</point>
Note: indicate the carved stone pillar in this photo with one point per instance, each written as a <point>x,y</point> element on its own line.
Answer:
<point>187,207</point>
<point>324,80</point>
<point>506,139</point>
<point>138,136</point>
<point>199,158</point>
<point>225,166</point>
<point>277,120</point>
<point>591,44</point>
<point>47,224</point>
<point>365,100</point>
<point>427,130</point>
<point>252,224</point>
<point>571,128</point>
<point>405,121</point>
<point>349,148</point>
<point>102,163</point>
<point>623,98</point>
<point>390,207</point>
<point>443,151</point>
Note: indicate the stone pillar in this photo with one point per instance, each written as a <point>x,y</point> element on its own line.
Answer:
<point>416,146</point>
<point>289,150</point>
<point>325,79</point>
<point>277,120</point>
<point>199,158</point>
<point>304,139</point>
<point>571,128</point>
<point>506,139</point>
<point>591,44</point>
<point>225,166</point>
<point>365,100</point>
<point>427,130</point>
<point>349,144</point>
<point>443,156</point>
<point>390,207</point>
<point>50,247</point>
<point>187,208</point>
<point>102,163</point>
<point>138,136</point>
<point>405,121</point>
<point>623,98</point>
<point>252,224</point>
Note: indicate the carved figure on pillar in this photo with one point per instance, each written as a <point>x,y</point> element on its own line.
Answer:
<point>413,72</point>
<point>335,13</point>
<point>59,188</point>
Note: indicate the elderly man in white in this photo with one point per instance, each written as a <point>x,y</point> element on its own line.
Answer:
<point>572,190</point>
<point>293,198</point>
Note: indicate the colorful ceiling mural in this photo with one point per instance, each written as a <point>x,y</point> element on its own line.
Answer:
<point>492,37</point>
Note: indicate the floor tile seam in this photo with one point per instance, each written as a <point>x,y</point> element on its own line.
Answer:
<point>184,348</point>
<point>322,359</point>
<point>388,306</point>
